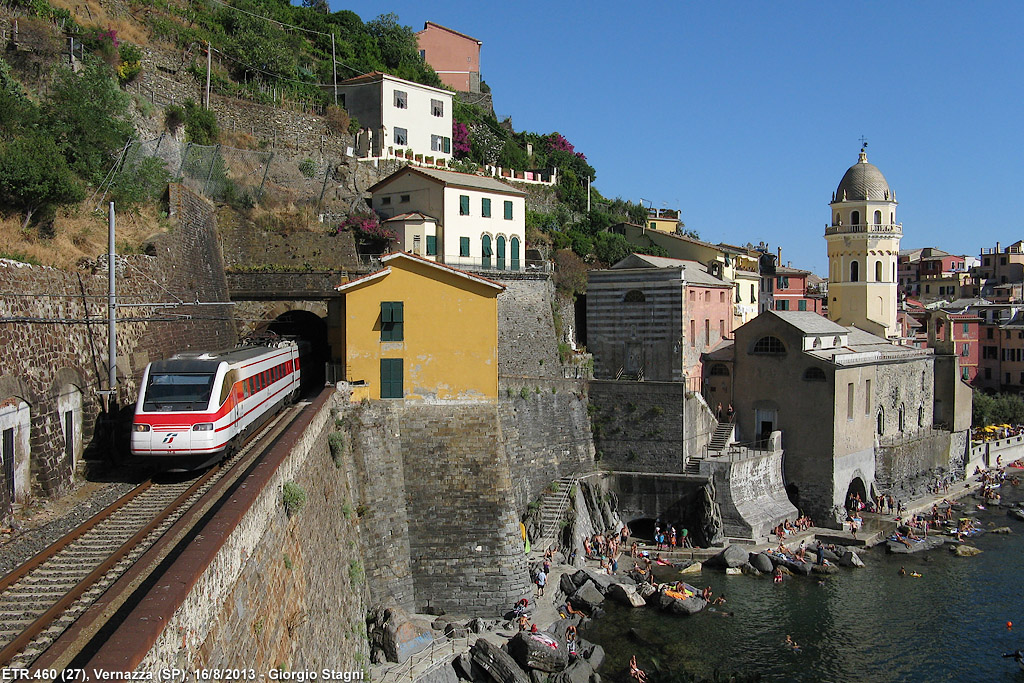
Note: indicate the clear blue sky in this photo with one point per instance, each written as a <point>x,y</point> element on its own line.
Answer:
<point>745,115</point>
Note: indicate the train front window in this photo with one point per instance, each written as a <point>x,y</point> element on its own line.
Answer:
<point>178,391</point>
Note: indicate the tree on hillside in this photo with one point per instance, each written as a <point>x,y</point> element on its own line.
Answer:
<point>35,176</point>
<point>87,115</point>
<point>318,6</point>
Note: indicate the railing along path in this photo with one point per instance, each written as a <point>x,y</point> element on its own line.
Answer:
<point>44,596</point>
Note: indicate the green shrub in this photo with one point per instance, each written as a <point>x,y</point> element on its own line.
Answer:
<point>200,124</point>
<point>346,511</point>
<point>336,441</point>
<point>524,394</point>
<point>287,562</point>
<point>293,497</point>
<point>307,167</point>
<point>145,181</point>
<point>174,118</point>
<point>356,574</point>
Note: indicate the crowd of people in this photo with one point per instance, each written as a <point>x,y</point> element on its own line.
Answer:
<point>802,523</point>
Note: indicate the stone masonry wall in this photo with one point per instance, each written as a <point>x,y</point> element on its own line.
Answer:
<point>547,432</point>
<point>907,469</point>
<point>467,552</point>
<point>53,331</point>
<point>639,426</point>
<point>527,346</point>
<point>283,591</point>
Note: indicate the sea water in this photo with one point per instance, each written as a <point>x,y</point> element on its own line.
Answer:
<point>867,624</point>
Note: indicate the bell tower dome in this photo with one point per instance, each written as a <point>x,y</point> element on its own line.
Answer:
<point>863,249</point>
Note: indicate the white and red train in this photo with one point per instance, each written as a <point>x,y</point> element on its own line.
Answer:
<point>194,408</point>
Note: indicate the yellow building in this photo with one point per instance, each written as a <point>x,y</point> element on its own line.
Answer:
<point>665,220</point>
<point>417,330</point>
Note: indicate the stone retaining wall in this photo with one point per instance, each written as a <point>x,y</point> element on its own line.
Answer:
<point>527,345</point>
<point>53,336</point>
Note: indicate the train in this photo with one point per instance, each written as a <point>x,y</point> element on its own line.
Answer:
<point>194,409</point>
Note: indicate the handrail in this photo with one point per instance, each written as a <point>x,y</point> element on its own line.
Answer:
<point>436,648</point>
<point>547,535</point>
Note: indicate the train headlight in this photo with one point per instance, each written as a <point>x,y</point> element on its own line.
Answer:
<point>138,427</point>
<point>203,427</point>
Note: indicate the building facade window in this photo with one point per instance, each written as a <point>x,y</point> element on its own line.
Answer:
<point>802,305</point>
<point>849,401</point>
<point>437,107</point>
<point>814,375</point>
<point>867,397</point>
<point>514,253</point>
<point>508,211</point>
<point>401,99</point>
<point>485,251</point>
<point>634,296</point>
<point>855,271</point>
<point>440,143</point>
<point>782,305</point>
<point>500,249</point>
<point>463,246</point>
<point>392,321</point>
<point>719,370</point>
<point>401,136</point>
<point>391,385</point>
<point>855,217</point>
<point>878,217</point>
<point>485,207</point>
<point>878,271</point>
<point>463,205</point>
<point>431,245</point>
<point>768,344</point>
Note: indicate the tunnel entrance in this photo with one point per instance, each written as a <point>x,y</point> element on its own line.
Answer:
<point>856,495</point>
<point>312,329</point>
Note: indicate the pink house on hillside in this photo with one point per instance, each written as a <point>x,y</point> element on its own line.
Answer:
<point>453,55</point>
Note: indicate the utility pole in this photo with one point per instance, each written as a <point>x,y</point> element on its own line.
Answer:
<point>111,392</point>
<point>588,194</point>
<point>209,64</point>
<point>334,67</point>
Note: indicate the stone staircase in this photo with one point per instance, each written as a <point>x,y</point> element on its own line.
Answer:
<point>720,439</point>
<point>552,510</point>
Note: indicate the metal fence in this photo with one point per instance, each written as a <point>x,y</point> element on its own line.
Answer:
<point>219,172</point>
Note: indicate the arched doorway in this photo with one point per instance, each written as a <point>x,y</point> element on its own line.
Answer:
<point>855,493</point>
<point>15,470</point>
<point>71,417</point>
<point>311,328</point>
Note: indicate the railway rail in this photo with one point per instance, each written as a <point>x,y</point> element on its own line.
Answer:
<point>43,597</point>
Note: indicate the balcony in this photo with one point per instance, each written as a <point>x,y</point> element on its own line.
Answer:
<point>880,229</point>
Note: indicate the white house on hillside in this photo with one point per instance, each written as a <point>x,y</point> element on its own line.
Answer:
<point>456,218</point>
<point>399,115</point>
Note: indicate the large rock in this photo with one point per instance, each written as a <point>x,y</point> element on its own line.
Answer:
<point>692,568</point>
<point>824,569</point>
<point>498,664</point>
<point>627,595</point>
<point>645,590</point>
<point>965,551</point>
<point>851,559</point>
<point>539,651</point>
<point>762,563</point>
<point>594,654</point>
<point>567,585</point>
<point>579,671</point>
<point>691,605</point>
<point>732,556</point>
<point>588,596</point>
<point>916,546</point>
<point>403,636</point>
<point>1001,530</point>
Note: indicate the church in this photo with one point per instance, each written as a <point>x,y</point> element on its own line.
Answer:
<point>857,412</point>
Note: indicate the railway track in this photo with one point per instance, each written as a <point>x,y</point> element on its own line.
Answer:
<point>43,597</point>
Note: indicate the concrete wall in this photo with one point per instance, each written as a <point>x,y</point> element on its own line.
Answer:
<point>750,492</point>
<point>280,591</point>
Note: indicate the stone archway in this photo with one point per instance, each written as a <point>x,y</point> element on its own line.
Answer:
<point>857,490</point>
<point>68,394</point>
<point>310,327</point>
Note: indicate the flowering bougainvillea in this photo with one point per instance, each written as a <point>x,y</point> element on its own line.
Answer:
<point>460,140</point>
<point>368,226</point>
<point>556,142</point>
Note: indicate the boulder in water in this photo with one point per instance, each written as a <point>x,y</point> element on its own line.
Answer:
<point>588,596</point>
<point>851,559</point>
<point>1002,530</point>
<point>732,556</point>
<point>762,563</point>
<point>627,595</point>
<point>540,651</point>
<point>965,551</point>
<point>692,568</point>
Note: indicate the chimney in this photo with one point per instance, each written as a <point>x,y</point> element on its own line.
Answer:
<point>779,260</point>
<point>997,247</point>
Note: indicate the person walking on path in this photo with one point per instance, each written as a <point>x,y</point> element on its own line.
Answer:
<point>542,579</point>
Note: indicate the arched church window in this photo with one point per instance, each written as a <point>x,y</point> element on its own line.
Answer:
<point>880,422</point>
<point>878,271</point>
<point>878,217</point>
<point>768,345</point>
<point>839,221</point>
<point>634,296</point>
<point>903,417</point>
<point>855,271</point>
<point>814,375</point>
<point>719,370</point>
<point>855,217</point>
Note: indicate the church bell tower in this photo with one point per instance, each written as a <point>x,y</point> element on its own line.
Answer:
<point>863,250</point>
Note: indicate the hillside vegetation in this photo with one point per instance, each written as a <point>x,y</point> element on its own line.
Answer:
<point>62,132</point>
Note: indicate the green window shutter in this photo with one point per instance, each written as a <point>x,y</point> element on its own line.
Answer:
<point>391,378</point>
<point>392,321</point>
<point>802,305</point>
<point>447,145</point>
<point>485,207</point>
<point>485,246</point>
<point>463,246</point>
<point>463,205</point>
<point>431,245</point>
<point>508,211</point>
